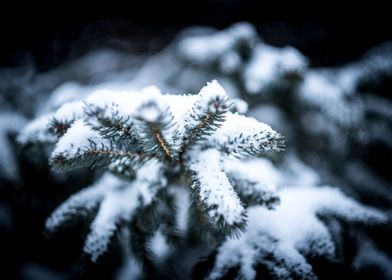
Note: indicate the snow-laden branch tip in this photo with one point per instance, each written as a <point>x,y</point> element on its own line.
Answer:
<point>280,240</point>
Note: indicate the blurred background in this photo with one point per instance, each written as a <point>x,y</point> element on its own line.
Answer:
<point>65,49</point>
<point>328,33</point>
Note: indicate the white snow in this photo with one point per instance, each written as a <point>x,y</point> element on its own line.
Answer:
<point>230,62</point>
<point>206,49</point>
<point>296,228</point>
<point>322,90</point>
<point>295,220</point>
<point>77,140</point>
<point>240,106</point>
<point>131,269</point>
<point>182,202</point>
<point>69,111</point>
<point>268,64</point>
<point>150,178</point>
<point>254,180</point>
<point>36,131</point>
<point>258,170</point>
<point>213,90</point>
<point>296,173</point>
<point>179,104</point>
<point>67,92</point>
<point>159,246</point>
<point>215,188</point>
<point>129,104</point>
<point>125,102</point>
<point>120,205</point>
<point>203,105</point>
<point>83,201</point>
<point>281,260</point>
<point>140,104</point>
<point>236,124</point>
<point>150,113</point>
<point>117,205</point>
<point>256,135</point>
<point>348,77</point>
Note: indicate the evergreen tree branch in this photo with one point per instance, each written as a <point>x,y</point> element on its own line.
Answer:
<point>36,132</point>
<point>250,184</point>
<point>113,126</point>
<point>61,120</point>
<point>58,128</point>
<point>155,125</point>
<point>243,136</point>
<point>84,203</point>
<point>91,150</point>
<point>214,195</point>
<point>253,193</point>
<point>206,115</point>
<point>122,206</point>
<point>108,218</point>
<point>96,155</point>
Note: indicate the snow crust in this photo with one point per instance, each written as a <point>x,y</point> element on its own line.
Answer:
<point>216,192</point>
<point>77,140</point>
<point>290,231</point>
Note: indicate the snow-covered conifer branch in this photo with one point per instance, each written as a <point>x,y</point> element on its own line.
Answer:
<point>222,49</point>
<point>155,125</point>
<point>271,66</point>
<point>82,203</point>
<point>206,115</point>
<point>250,184</point>
<point>115,127</point>
<point>37,131</point>
<point>90,149</point>
<point>277,242</point>
<point>58,128</point>
<point>184,139</point>
<point>214,193</point>
<point>244,136</point>
<point>123,137</point>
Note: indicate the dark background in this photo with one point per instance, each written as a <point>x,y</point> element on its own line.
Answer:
<point>329,34</point>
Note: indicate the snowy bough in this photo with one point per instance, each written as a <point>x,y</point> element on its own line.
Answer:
<point>186,170</point>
